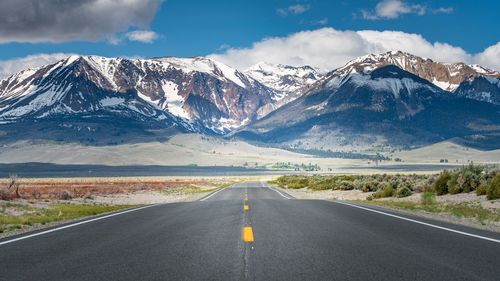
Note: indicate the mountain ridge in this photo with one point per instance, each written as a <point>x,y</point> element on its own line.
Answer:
<point>205,96</point>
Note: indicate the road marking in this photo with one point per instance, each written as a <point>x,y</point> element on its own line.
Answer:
<point>421,222</point>
<point>75,224</point>
<point>278,192</point>
<point>246,208</point>
<point>246,199</point>
<point>210,195</point>
<point>248,234</point>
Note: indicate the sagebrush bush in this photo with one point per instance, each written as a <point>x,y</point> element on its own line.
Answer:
<point>386,190</point>
<point>466,179</point>
<point>482,189</point>
<point>452,184</point>
<point>403,192</point>
<point>493,191</point>
<point>441,184</point>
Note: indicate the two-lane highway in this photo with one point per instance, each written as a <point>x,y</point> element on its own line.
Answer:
<point>275,237</point>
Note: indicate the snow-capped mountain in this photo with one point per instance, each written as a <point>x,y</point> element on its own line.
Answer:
<point>284,78</point>
<point>483,88</point>
<point>385,105</point>
<point>287,82</point>
<point>393,97</point>
<point>198,91</point>
<point>447,76</point>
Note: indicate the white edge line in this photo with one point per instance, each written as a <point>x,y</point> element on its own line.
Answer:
<point>265,185</point>
<point>74,224</point>
<point>420,222</point>
<point>212,194</point>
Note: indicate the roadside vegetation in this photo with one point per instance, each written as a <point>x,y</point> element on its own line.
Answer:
<point>391,190</point>
<point>428,203</point>
<point>31,203</point>
<point>88,188</point>
<point>19,215</point>
<point>192,189</point>
<point>383,185</point>
<point>484,180</point>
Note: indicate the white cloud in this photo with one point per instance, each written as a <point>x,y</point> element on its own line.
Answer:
<point>328,48</point>
<point>36,21</point>
<point>293,9</point>
<point>11,66</point>
<point>443,10</point>
<point>391,9</point>
<point>489,57</point>
<point>144,36</point>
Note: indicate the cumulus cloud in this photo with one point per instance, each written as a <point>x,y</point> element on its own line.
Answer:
<point>489,57</point>
<point>391,9</point>
<point>58,21</point>
<point>328,48</point>
<point>143,36</point>
<point>293,9</point>
<point>11,66</point>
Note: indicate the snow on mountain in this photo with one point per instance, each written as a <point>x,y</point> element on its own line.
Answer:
<point>199,90</point>
<point>287,82</point>
<point>482,88</point>
<point>385,105</point>
<point>447,76</point>
<point>284,78</point>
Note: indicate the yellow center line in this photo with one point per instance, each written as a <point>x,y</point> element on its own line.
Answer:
<point>246,208</point>
<point>248,234</point>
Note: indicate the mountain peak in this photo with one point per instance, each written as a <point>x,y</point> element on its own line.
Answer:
<point>447,76</point>
<point>284,78</point>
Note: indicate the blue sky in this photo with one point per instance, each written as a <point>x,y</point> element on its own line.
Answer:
<point>190,28</point>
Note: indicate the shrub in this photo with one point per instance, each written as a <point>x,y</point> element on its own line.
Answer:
<point>385,190</point>
<point>482,189</point>
<point>441,184</point>
<point>369,186</point>
<point>403,192</point>
<point>468,180</point>
<point>428,198</point>
<point>494,188</point>
<point>346,185</point>
<point>452,184</point>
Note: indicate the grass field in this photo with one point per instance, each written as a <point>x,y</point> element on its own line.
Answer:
<point>15,216</point>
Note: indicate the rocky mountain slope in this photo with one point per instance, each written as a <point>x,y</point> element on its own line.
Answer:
<point>373,106</point>
<point>284,78</point>
<point>393,98</point>
<point>288,82</point>
<point>447,76</point>
<point>199,93</point>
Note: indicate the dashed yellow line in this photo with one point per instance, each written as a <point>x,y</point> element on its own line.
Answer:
<point>248,234</point>
<point>246,208</point>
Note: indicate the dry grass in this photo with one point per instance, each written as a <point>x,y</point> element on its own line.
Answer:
<point>17,216</point>
<point>56,189</point>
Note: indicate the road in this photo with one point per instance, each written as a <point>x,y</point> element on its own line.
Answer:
<point>211,239</point>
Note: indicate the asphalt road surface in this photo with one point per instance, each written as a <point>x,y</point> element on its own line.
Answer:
<point>275,238</point>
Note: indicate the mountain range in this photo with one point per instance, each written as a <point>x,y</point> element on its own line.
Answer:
<point>394,99</point>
